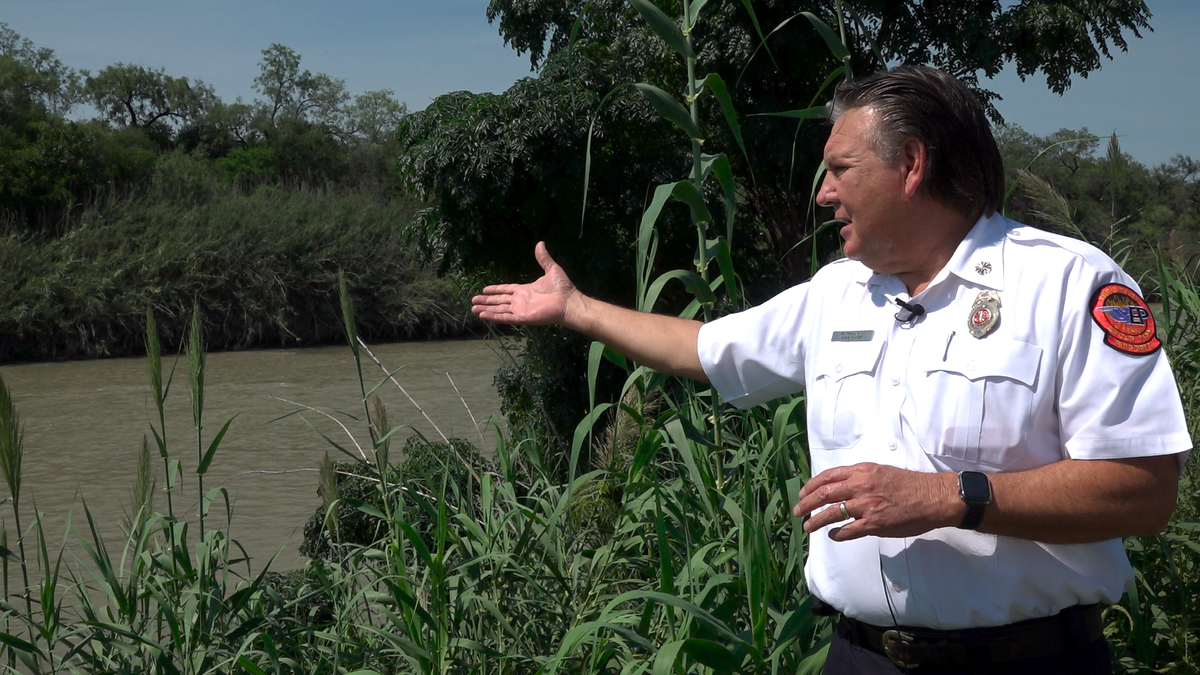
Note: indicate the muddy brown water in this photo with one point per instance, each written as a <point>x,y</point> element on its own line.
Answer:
<point>84,422</point>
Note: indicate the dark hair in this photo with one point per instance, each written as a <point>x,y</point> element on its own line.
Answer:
<point>964,171</point>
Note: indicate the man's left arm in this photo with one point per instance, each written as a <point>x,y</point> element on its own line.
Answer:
<point>1067,502</point>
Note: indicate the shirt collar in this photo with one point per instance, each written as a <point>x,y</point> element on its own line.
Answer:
<point>979,258</point>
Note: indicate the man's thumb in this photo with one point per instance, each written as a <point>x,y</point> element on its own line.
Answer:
<point>543,256</point>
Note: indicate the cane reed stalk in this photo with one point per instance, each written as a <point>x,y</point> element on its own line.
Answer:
<point>12,451</point>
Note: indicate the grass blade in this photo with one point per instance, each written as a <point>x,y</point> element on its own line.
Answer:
<point>664,27</point>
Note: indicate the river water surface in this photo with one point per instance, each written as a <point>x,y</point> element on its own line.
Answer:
<point>85,420</point>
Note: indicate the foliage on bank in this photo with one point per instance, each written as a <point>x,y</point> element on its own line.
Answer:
<point>261,263</point>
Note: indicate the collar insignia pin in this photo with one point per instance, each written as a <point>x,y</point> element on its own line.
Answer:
<point>983,268</point>
<point>985,314</point>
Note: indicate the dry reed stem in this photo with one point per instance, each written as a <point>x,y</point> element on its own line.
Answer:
<point>391,377</point>
<point>336,420</point>
<point>479,431</point>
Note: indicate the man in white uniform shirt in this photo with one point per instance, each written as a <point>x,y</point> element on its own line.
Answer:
<point>989,411</point>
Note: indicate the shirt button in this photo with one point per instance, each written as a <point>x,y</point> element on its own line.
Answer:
<point>897,586</point>
<point>892,445</point>
<point>895,382</point>
<point>838,369</point>
<point>971,366</point>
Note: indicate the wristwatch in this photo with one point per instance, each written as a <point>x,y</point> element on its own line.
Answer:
<point>974,489</point>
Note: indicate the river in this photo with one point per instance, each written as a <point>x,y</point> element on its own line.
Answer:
<point>84,423</point>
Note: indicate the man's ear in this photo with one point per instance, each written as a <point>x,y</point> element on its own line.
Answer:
<point>914,160</point>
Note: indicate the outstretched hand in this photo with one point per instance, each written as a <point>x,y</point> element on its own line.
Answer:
<point>539,303</point>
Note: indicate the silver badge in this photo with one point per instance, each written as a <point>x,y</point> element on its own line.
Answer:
<point>983,268</point>
<point>985,314</point>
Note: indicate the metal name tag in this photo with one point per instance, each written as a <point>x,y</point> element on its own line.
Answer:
<point>853,335</point>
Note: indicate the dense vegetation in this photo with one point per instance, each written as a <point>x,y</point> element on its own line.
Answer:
<point>172,196</point>
<point>651,536</point>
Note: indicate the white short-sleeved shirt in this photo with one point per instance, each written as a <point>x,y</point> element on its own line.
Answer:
<point>927,395</point>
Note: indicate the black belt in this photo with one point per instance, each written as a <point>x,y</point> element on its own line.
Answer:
<point>1072,628</point>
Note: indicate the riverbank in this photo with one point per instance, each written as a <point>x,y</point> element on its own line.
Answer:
<point>262,265</point>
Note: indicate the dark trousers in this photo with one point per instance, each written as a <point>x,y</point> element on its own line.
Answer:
<point>848,657</point>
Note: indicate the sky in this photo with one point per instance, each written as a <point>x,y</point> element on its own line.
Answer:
<point>424,48</point>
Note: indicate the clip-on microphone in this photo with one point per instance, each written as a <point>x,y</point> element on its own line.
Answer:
<point>915,310</point>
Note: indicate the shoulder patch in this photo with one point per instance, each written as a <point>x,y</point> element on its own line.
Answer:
<point>1125,319</point>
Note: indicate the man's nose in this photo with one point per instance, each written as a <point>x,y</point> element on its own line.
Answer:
<point>826,195</point>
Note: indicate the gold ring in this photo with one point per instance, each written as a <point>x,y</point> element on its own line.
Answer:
<point>845,513</point>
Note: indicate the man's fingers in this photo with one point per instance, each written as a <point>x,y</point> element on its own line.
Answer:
<point>817,493</point>
<point>499,289</point>
<point>824,478</point>
<point>853,529</point>
<point>497,317</point>
<point>491,300</point>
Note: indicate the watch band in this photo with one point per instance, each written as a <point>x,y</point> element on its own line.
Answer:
<point>973,516</point>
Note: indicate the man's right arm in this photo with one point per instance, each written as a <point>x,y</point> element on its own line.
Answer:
<point>667,344</point>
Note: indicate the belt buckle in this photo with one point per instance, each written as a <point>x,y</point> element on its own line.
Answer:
<point>893,641</point>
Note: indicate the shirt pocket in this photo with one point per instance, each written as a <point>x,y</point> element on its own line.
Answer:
<point>976,403</point>
<point>841,395</point>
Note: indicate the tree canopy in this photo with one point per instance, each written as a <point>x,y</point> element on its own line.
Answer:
<point>591,48</point>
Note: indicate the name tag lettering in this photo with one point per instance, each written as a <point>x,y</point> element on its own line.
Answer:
<point>853,335</point>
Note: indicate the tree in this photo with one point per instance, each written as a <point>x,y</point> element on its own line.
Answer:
<point>45,80</point>
<point>294,95</point>
<point>372,118</point>
<point>139,97</point>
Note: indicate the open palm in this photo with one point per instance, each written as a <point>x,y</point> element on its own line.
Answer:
<point>541,302</point>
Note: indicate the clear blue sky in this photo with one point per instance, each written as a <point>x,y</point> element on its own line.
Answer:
<point>423,48</point>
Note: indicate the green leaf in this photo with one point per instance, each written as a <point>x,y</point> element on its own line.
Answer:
<point>839,50</point>
<point>582,431</point>
<point>207,501</point>
<point>702,615</point>
<point>724,258</point>
<point>664,661</point>
<point>694,12</point>
<point>762,39</point>
<point>587,162</point>
<point>595,353</point>
<point>675,429</point>
<point>174,470</point>
<point>366,508</point>
<point>19,644</point>
<point>691,281</point>
<point>647,242</point>
<point>688,193</point>
<point>250,666</point>
<point>718,88</point>
<point>818,112</point>
<point>671,109</point>
<point>719,166</point>
<point>870,40</point>
<point>664,27</point>
<point>711,654</point>
<point>162,444</point>
<point>212,448</point>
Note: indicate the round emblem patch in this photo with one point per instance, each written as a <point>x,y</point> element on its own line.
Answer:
<point>1125,319</point>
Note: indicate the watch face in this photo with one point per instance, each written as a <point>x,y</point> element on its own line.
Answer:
<point>974,487</point>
